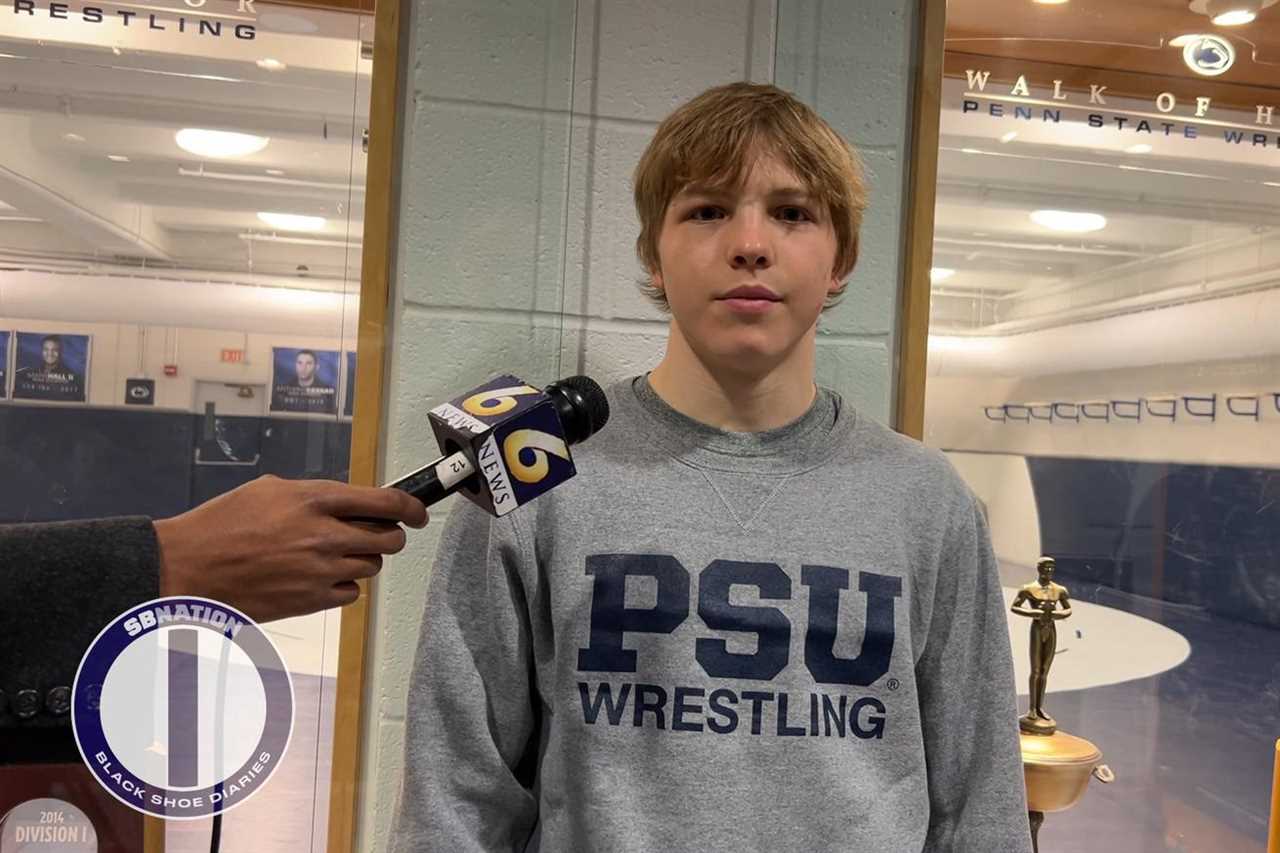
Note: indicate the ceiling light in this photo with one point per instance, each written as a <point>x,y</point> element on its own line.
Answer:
<point>1235,18</point>
<point>272,64</point>
<point>1010,136</point>
<point>292,221</point>
<point>1071,221</point>
<point>937,275</point>
<point>73,137</point>
<point>117,158</point>
<point>1140,148</point>
<point>276,172</point>
<point>219,144</point>
<point>1230,13</point>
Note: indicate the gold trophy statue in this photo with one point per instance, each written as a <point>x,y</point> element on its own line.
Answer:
<point>1043,602</point>
<point>1056,765</point>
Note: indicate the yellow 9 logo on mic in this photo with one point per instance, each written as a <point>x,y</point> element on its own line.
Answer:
<point>541,445</point>
<point>496,401</point>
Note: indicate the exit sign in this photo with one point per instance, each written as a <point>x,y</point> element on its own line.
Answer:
<point>233,355</point>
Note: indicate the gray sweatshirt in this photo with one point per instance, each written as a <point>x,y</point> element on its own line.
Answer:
<point>792,640</point>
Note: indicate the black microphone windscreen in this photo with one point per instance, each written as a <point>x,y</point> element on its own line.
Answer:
<point>589,409</point>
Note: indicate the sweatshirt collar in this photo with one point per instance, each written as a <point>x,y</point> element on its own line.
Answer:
<point>803,443</point>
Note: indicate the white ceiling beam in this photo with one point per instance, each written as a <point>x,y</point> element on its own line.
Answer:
<point>1222,209</point>
<point>71,201</point>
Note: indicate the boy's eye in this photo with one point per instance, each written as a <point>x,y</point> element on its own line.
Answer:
<point>792,213</point>
<point>705,213</point>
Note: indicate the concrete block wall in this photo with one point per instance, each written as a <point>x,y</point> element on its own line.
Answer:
<point>522,124</point>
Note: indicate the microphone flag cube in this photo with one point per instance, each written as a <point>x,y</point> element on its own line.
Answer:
<point>511,432</point>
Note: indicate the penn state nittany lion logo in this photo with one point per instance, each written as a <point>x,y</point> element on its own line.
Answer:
<point>1209,55</point>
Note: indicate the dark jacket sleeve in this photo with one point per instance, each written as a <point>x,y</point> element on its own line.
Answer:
<point>60,584</point>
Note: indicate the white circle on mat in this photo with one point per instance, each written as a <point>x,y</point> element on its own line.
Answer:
<point>1111,647</point>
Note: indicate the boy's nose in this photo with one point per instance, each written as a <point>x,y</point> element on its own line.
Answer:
<point>755,258</point>
<point>748,248</point>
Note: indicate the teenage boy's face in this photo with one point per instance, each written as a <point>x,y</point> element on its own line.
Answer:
<point>746,270</point>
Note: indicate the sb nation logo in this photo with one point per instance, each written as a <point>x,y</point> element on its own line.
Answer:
<point>182,708</point>
<point>514,433</point>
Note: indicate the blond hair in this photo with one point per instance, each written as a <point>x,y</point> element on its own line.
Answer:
<point>714,139</point>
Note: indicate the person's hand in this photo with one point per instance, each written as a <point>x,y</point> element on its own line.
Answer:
<point>274,548</point>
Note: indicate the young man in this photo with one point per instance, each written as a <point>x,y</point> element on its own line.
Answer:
<point>756,620</point>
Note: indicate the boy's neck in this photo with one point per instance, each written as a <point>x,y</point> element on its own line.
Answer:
<point>737,401</point>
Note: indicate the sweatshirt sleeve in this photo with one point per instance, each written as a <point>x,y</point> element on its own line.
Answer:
<point>968,707</point>
<point>60,584</point>
<point>471,724</point>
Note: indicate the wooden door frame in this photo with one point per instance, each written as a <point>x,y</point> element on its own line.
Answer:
<point>380,227</point>
<point>912,338</point>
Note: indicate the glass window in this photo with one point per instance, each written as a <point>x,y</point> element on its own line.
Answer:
<point>181,204</point>
<point>1102,371</point>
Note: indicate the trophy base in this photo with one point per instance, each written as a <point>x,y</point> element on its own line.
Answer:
<point>1034,725</point>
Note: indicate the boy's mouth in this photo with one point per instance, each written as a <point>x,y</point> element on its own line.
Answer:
<point>751,300</point>
<point>752,293</point>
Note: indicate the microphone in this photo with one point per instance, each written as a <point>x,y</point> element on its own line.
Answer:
<point>506,442</point>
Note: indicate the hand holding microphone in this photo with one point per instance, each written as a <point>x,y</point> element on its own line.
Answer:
<point>275,548</point>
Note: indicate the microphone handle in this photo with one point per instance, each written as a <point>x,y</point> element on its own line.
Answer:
<point>433,482</point>
<point>436,480</point>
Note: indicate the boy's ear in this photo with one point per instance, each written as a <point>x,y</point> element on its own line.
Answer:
<point>655,278</point>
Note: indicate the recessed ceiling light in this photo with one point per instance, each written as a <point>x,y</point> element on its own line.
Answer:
<point>272,64</point>
<point>219,144</point>
<point>1072,221</point>
<point>1140,148</point>
<point>1010,136</point>
<point>937,275</point>
<point>117,158</point>
<point>72,137</point>
<point>1235,18</point>
<point>276,172</point>
<point>292,221</point>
